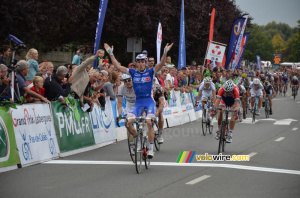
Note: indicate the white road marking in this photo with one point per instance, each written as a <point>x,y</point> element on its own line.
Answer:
<point>279,139</point>
<point>252,154</point>
<point>199,179</point>
<point>255,168</point>
<point>298,102</point>
<point>294,129</point>
<point>284,122</point>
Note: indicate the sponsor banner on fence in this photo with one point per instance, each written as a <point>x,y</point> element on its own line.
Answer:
<point>34,132</point>
<point>171,105</point>
<point>73,129</point>
<point>8,149</point>
<point>103,123</point>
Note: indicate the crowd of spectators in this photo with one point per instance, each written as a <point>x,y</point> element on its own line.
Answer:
<point>43,82</point>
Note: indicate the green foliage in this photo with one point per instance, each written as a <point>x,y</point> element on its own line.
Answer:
<point>258,44</point>
<point>278,43</point>
<point>292,52</point>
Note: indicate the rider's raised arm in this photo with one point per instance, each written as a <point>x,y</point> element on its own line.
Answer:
<point>162,62</point>
<point>113,59</point>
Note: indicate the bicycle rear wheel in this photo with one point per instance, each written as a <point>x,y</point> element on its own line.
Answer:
<point>138,153</point>
<point>267,109</point>
<point>284,90</point>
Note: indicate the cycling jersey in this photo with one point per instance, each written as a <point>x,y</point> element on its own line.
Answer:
<point>285,78</point>
<point>207,92</point>
<point>294,82</point>
<point>228,99</point>
<point>269,89</point>
<point>157,95</point>
<point>142,85</point>
<point>129,97</point>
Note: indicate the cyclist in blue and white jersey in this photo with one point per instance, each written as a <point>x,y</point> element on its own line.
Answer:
<point>285,80</point>
<point>142,84</point>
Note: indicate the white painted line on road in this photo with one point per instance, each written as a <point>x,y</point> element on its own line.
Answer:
<point>294,129</point>
<point>252,154</point>
<point>284,121</point>
<point>199,179</point>
<point>298,102</point>
<point>255,168</point>
<point>279,139</point>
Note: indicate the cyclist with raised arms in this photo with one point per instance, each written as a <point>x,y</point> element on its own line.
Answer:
<point>142,84</point>
<point>228,96</point>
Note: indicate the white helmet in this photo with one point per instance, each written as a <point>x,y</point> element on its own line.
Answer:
<point>228,86</point>
<point>141,57</point>
<point>295,78</point>
<point>256,81</point>
<point>207,80</point>
<point>125,76</point>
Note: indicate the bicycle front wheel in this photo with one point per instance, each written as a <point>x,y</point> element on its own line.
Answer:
<point>145,157</point>
<point>254,112</point>
<point>222,138</point>
<point>131,152</point>
<point>204,122</point>
<point>138,153</point>
<point>157,145</point>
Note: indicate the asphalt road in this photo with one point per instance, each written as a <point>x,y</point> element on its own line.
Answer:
<point>273,170</point>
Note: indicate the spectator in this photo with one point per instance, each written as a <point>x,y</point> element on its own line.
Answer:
<point>22,71</point>
<point>77,58</point>
<point>145,52</point>
<point>50,69</point>
<point>110,87</point>
<point>151,62</point>
<point>38,88</point>
<point>32,57</point>
<point>100,59</point>
<point>168,60</point>
<point>88,96</point>
<point>4,84</point>
<point>5,53</point>
<point>56,85</point>
<point>80,77</point>
<point>193,65</point>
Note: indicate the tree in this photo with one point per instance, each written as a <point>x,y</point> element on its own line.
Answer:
<point>50,23</point>
<point>258,44</point>
<point>292,52</point>
<point>278,44</point>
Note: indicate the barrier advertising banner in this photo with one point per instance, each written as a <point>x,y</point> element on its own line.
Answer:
<point>8,149</point>
<point>34,132</point>
<point>103,123</point>
<point>73,127</point>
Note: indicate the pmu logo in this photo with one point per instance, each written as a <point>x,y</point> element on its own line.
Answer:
<point>4,142</point>
<point>143,79</point>
<point>237,29</point>
<point>105,119</point>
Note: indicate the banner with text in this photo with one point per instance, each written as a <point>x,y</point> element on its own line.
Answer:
<point>73,127</point>
<point>103,123</point>
<point>34,132</point>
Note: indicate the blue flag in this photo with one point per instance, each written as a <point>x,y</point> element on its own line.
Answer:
<point>182,55</point>
<point>101,16</point>
<point>258,62</point>
<point>235,33</point>
<point>246,38</point>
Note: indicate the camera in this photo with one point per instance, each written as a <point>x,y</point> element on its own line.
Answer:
<point>17,42</point>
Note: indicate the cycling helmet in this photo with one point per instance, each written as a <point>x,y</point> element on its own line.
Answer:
<point>228,86</point>
<point>267,83</point>
<point>262,75</point>
<point>207,80</point>
<point>295,78</point>
<point>244,75</point>
<point>141,57</point>
<point>125,76</point>
<point>256,81</point>
<point>268,74</point>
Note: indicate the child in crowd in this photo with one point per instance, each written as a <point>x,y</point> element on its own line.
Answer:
<point>37,87</point>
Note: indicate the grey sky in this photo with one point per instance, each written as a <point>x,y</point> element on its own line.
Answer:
<point>265,11</point>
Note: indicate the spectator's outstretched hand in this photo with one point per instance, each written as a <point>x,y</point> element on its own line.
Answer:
<point>109,49</point>
<point>167,48</point>
<point>46,100</point>
<point>98,53</point>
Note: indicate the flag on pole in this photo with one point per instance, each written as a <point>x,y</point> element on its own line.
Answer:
<point>244,43</point>
<point>211,27</point>
<point>235,33</point>
<point>239,44</point>
<point>213,64</point>
<point>101,16</point>
<point>158,41</point>
<point>182,54</point>
<point>258,62</point>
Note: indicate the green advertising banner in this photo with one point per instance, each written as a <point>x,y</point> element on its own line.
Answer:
<point>9,155</point>
<point>73,126</point>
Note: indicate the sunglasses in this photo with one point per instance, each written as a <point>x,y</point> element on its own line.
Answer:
<point>140,61</point>
<point>128,80</point>
<point>151,60</point>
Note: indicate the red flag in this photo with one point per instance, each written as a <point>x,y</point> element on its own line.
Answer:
<point>212,22</point>
<point>224,61</point>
